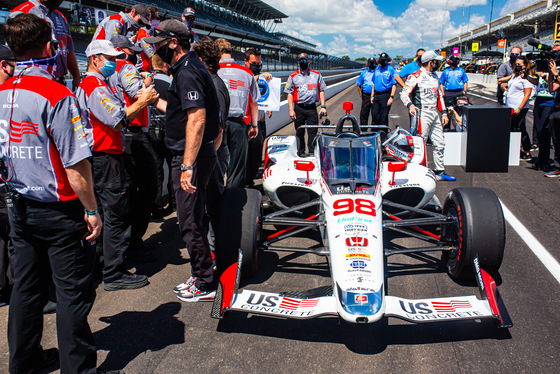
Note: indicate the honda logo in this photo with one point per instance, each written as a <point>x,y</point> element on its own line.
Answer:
<point>356,241</point>
<point>12,96</point>
<point>192,95</point>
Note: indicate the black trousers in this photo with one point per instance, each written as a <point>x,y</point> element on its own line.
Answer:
<point>162,155</point>
<point>254,154</point>
<point>6,250</point>
<point>190,214</point>
<point>140,160</point>
<point>216,185</point>
<point>554,124</point>
<point>450,95</point>
<point>112,192</point>
<point>306,113</point>
<point>518,125</point>
<point>366,108</point>
<point>238,145</point>
<point>52,234</point>
<point>541,117</point>
<point>380,109</point>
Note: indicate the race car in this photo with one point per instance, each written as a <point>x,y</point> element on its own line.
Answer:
<point>351,190</point>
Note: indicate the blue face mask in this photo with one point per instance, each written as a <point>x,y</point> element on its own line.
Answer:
<point>109,68</point>
<point>189,23</point>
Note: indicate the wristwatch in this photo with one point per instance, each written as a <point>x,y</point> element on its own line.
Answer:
<point>185,167</point>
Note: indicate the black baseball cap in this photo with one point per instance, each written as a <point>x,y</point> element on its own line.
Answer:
<point>122,41</point>
<point>371,60</point>
<point>385,56</point>
<point>170,28</point>
<point>144,13</point>
<point>6,53</point>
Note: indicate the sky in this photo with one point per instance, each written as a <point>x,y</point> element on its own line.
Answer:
<point>365,28</point>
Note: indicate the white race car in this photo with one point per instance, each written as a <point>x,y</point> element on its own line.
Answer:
<point>350,190</point>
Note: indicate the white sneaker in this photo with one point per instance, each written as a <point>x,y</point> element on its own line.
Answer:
<point>193,294</point>
<point>184,286</point>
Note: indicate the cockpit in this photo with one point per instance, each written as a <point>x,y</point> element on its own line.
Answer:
<point>353,160</point>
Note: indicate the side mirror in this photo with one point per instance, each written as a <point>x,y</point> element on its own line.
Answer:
<point>395,166</point>
<point>305,166</point>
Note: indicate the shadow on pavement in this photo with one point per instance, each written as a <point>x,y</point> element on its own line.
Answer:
<point>362,339</point>
<point>130,334</point>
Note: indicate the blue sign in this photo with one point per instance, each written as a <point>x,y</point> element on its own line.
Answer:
<point>358,264</point>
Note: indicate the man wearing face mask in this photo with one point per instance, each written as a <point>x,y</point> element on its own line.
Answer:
<point>253,61</point>
<point>364,83</point>
<point>506,70</point>
<point>421,94</point>
<point>243,115</point>
<point>304,88</point>
<point>139,154</point>
<point>191,125</point>
<point>453,81</point>
<point>188,18</point>
<point>383,92</point>
<point>122,23</point>
<point>65,56</point>
<point>106,116</point>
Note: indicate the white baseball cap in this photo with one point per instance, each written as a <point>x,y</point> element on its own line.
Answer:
<point>188,12</point>
<point>102,47</point>
<point>429,56</point>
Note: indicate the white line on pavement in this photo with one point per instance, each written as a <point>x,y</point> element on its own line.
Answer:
<point>543,255</point>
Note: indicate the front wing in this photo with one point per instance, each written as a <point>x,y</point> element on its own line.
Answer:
<point>320,302</point>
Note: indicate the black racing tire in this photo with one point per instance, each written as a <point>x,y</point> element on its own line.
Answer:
<point>480,229</point>
<point>239,227</point>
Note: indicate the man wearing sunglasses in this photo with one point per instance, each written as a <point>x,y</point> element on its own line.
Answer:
<point>506,70</point>
<point>65,56</point>
<point>188,18</point>
<point>304,88</point>
<point>191,125</point>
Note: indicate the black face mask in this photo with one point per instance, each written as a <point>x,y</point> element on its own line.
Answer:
<point>513,57</point>
<point>436,65</point>
<point>165,53</point>
<point>53,4</point>
<point>518,68</point>
<point>371,66</point>
<point>255,68</point>
<point>304,65</point>
<point>132,59</point>
<point>454,63</point>
<point>383,62</point>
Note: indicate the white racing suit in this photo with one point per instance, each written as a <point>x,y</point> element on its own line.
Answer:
<point>422,90</point>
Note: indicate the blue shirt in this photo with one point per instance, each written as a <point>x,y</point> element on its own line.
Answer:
<point>384,78</point>
<point>365,80</point>
<point>411,67</point>
<point>453,79</point>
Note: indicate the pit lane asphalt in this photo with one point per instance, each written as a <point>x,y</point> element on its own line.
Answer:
<point>151,331</point>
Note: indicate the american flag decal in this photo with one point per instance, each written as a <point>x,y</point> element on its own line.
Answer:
<point>451,306</point>
<point>20,129</point>
<point>234,84</point>
<point>293,304</point>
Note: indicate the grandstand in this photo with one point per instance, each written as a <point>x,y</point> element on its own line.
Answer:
<point>534,21</point>
<point>245,23</point>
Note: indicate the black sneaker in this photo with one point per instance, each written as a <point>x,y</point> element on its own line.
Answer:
<point>128,281</point>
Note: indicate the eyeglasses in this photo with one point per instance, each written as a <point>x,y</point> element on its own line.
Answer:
<point>302,61</point>
<point>515,54</point>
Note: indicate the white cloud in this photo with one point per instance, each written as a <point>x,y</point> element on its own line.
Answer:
<point>358,28</point>
<point>514,5</point>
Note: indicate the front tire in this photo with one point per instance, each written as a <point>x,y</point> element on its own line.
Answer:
<point>239,227</point>
<point>479,230</point>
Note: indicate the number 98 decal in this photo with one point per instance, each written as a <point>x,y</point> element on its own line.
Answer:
<point>347,206</point>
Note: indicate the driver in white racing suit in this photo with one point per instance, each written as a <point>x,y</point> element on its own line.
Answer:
<point>421,93</point>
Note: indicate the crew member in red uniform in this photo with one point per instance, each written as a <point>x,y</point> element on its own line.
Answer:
<point>44,156</point>
<point>140,156</point>
<point>122,23</point>
<point>65,56</point>
<point>107,116</point>
<point>304,88</point>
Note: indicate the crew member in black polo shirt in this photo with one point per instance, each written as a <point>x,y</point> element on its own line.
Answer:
<point>191,126</point>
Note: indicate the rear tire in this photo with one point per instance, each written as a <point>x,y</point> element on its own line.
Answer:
<point>239,227</point>
<point>480,229</point>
